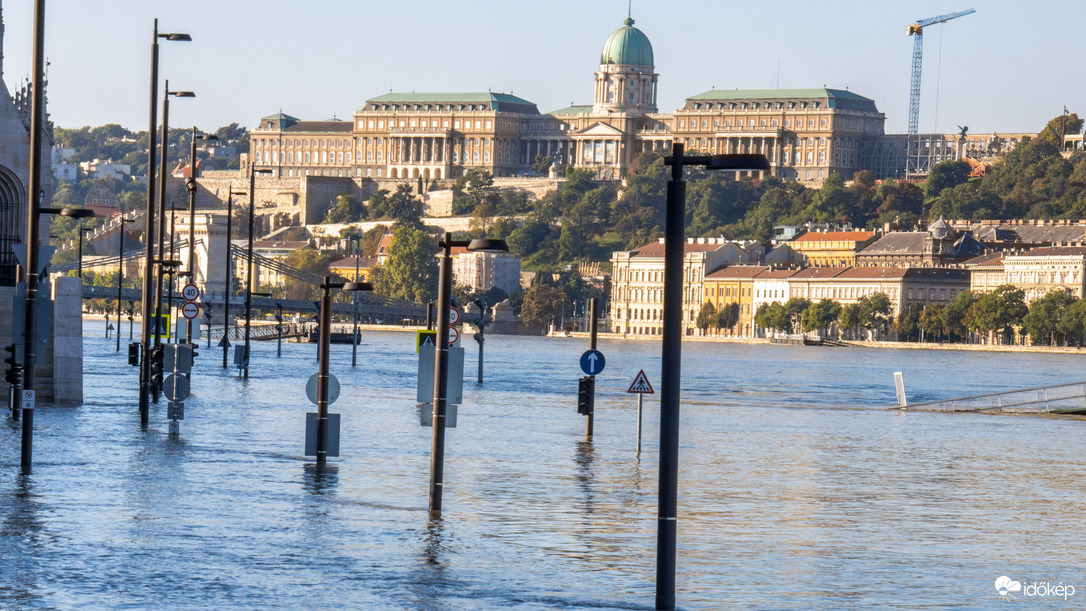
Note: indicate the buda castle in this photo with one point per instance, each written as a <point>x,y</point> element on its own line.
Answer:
<point>805,133</point>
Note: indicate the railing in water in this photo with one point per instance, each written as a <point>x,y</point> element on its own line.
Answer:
<point>1057,399</point>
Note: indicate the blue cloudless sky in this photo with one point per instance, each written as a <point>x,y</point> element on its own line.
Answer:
<point>1011,66</point>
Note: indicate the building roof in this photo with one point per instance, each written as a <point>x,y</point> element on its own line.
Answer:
<point>321,126</point>
<point>818,273</point>
<point>656,249</point>
<point>383,245</point>
<point>835,236</point>
<point>776,274</point>
<point>735,272</point>
<point>502,102</point>
<point>872,273</point>
<point>349,263</point>
<point>840,99</point>
<point>627,46</point>
<point>280,245</point>
<point>572,110</point>
<point>1056,251</point>
<point>985,260</point>
<point>898,243</point>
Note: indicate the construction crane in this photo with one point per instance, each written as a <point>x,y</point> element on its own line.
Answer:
<point>917,30</point>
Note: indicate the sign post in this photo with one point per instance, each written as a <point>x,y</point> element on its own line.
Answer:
<point>641,387</point>
<point>592,363</point>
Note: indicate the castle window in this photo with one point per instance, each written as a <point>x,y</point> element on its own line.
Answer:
<point>697,106</point>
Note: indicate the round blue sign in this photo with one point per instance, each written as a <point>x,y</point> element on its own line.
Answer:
<point>592,362</point>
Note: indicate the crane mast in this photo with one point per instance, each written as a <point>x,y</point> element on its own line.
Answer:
<point>916,30</point>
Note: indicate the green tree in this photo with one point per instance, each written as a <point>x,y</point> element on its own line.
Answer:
<point>957,318</point>
<point>794,309</point>
<point>542,305</point>
<point>875,310</point>
<point>1045,316</point>
<point>849,319</point>
<point>907,323</point>
<point>1001,310</point>
<point>821,315</point>
<point>541,164</point>
<point>1073,322</point>
<point>346,210</point>
<point>402,206</point>
<point>772,316</point>
<point>311,261</point>
<point>1060,126</point>
<point>410,272</point>
<point>728,316</point>
<point>931,320</point>
<point>707,317</point>
<point>945,175</point>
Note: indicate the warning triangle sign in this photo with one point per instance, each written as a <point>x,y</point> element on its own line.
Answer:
<point>428,340</point>
<point>641,384</point>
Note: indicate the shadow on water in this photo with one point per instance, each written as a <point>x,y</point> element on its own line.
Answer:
<point>22,535</point>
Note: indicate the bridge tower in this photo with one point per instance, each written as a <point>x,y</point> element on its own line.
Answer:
<point>211,244</point>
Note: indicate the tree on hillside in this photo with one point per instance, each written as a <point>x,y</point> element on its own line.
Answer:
<point>346,210</point>
<point>1060,126</point>
<point>410,272</point>
<point>402,206</point>
<point>945,175</point>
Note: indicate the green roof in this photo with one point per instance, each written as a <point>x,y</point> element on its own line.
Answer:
<point>572,110</point>
<point>504,102</point>
<point>279,116</point>
<point>836,98</point>
<point>627,46</point>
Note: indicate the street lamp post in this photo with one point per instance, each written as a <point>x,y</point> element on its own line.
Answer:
<point>229,275</point>
<point>82,230</point>
<point>670,375</point>
<point>163,174</point>
<point>322,366</point>
<point>120,279</point>
<point>441,359</point>
<point>190,186</point>
<point>148,221</point>
<point>354,333</point>
<point>249,264</point>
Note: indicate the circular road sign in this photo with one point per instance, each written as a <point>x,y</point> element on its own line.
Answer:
<point>454,317</point>
<point>190,292</point>
<point>592,362</point>
<point>333,388</point>
<point>176,387</point>
<point>454,336</point>
<point>190,310</point>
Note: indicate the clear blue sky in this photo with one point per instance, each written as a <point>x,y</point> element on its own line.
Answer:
<point>1010,66</point>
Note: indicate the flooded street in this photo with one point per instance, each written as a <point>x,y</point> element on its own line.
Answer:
<point>796,491</point>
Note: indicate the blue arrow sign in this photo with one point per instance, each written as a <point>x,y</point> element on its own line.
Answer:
<point>592,362</point>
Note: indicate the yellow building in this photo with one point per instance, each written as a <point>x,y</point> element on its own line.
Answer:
<point>734,284</point>
<point>353,269</point>
<point>832,248</point>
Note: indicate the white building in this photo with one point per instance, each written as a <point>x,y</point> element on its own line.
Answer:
<point>483,270</point>
<point>101,169</point>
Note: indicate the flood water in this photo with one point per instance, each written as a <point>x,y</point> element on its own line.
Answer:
<point>797,491</point>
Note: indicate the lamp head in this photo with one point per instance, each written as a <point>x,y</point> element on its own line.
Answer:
<point>487,245</point>
<point>178,36</point>
<point>357,286</point>
<point>78,213</point>
<point>181,94</point>
<point>737,162</point>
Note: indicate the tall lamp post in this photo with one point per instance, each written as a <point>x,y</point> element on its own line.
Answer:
<point>229,275</point>
<point>120,278</point>
<point>671,371</point>
<point>149,224</point>
<point>190,186</point>
<point>249,264</point>
<point>441,358</point>
<point>82,230</point>
<point>354,332</point>
<point>322,366</point>
<point>163,174</point>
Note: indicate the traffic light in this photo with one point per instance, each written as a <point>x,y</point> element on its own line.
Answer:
<point>279,313</point>
<point>14,373</point>
<point>584,395</point>
<point>195,354</point>
<point>134,354</point>
<point>157,357</point>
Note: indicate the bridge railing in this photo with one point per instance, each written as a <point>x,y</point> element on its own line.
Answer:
<point>1058,398</point>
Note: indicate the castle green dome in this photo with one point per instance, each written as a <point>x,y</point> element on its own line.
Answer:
<point>627,46</point>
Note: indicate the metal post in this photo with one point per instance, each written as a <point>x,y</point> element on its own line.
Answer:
<point>354,336</point>
<point>430,317</point>
<point>640,400</point>
<point>322,372</point>
<point>107,324</point>
<point>229,274</point>
<point>149,237</point>
<point>593,304</point>
<point>120,282</point>
<point>162,173</point>
<point>191,264</point>
<point>249,269</point>
<point>674,237</point>
<point>479,379</point>
<point>441,378</point>
<point>80,263</point>
<point>34,195</point>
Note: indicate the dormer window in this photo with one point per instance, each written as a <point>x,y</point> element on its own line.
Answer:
<point>697,106</point>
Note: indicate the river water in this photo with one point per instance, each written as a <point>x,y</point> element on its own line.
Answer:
<point>797,490</point>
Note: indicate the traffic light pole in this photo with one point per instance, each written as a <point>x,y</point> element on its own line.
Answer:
<point>34,194</point>
<point>590,420</point>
